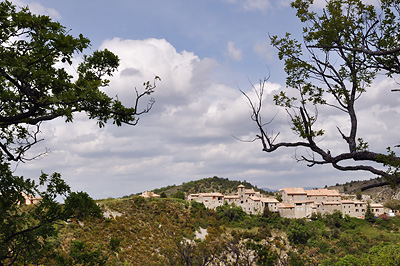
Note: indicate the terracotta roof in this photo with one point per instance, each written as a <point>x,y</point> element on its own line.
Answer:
<point>271,200</point>
<point>359,202</point>
<point>285,206</point>
<point>255,198</point>
<point>322,192</point>
<point>347,202</point>
<point>294,190</point>
<point>241,186</point>
<point>376,205</point>
<point>250,191</point>
<point>232,197</point>
<point>214,194</point>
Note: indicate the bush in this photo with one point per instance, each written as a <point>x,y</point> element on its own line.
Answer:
<point>179,195</point>
<point>298,232</point>
<point>369,215</point>
<point>231,212</point>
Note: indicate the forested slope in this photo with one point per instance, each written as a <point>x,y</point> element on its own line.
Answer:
<point>211,184</point>
<point>163,232</point>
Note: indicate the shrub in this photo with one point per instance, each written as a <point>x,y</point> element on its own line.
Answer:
<point>298,232</point>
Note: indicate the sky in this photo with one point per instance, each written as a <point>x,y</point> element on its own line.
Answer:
<point>205,52</point>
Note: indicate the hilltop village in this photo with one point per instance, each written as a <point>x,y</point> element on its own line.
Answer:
<point>296,202</point>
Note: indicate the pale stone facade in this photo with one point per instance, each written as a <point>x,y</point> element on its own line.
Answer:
<point>251,201</point>
<point>149,194</point>
<point>306,202</point>
<point>210,200</point>
<point>296,202</point>
<point>29,199</point>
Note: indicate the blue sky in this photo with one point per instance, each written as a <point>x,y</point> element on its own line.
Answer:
<point>204,52</point>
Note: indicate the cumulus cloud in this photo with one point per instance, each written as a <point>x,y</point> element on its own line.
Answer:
<point>192,131</point>
<point>187,135</point>
<point>233,52</point>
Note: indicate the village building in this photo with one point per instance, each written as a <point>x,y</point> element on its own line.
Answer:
<point>249,200</point>
<point>149,194</point>
<point>324,201</point>
<point>210,200</point>
<point>29,199</point>
<point>296,202</point>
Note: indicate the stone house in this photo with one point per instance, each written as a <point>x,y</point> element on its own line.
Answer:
<point>210,200</point>
<point>149,194</point>
<point>29,199</point>
<point>324,201</point>
<point>251,201</point>
<point>296,202</point>
<point>290,195</point>
<point>377,209</point>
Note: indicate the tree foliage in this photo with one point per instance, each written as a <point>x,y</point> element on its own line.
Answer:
<point>369,215</point>
<point>35,87</point>
<point>33,47</point>
<point>344,48</point>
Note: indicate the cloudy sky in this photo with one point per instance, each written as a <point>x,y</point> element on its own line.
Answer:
<point>204,51</point>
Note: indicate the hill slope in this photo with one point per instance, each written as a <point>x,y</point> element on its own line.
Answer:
<point>211,184</point>
<point>377,194</point>
<point>163,232</point>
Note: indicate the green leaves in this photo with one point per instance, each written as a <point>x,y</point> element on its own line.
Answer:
<point>32,49</point>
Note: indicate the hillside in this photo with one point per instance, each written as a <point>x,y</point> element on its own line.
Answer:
<point>211,184</point>
<point>377,194</point>
<point>176,232</point>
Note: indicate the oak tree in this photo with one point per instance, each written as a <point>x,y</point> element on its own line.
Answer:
<point>35,87</point>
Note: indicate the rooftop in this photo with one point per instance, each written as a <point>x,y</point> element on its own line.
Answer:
<point>294,190</point>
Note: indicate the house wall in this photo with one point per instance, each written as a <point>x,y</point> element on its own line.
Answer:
<point>287,212</point>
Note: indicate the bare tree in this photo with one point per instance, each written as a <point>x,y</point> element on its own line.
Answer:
<point>344,48</point>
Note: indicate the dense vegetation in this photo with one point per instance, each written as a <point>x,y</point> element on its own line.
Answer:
<point>211,184</point>
<point>166,232</point>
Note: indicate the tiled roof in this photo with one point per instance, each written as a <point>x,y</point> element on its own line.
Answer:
<point>347,202</point>
<point>249,191</point>
<point>285,206</point>
<point>294,190</point>
<point>375,205</point>
<point>214,194</point>
<point>232,197</point>
<point>255,198</point>
<point>271,200</point>
<point>322,192</point>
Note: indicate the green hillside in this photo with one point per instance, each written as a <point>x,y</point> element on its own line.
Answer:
<point>168,232</point>
<point>211,184</point>
<point>368,187</point>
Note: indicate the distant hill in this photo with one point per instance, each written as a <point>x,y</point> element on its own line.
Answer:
<point>211,184</point>
<point>378,194</point>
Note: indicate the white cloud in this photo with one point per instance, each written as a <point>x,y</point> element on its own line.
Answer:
<point>261,5</point>
<point>37,8</point>
<point>256,5</point>
<point>233,52</point>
